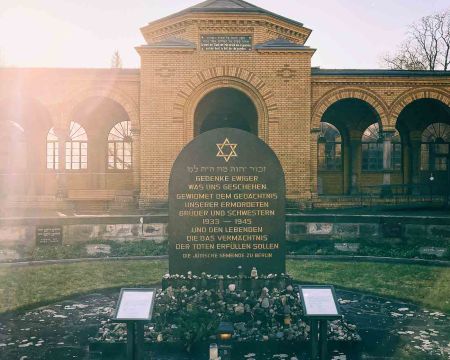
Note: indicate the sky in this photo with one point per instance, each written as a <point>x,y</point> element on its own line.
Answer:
<point>85,33</point>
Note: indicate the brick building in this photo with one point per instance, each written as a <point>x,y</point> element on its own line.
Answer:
<point>108,137</point>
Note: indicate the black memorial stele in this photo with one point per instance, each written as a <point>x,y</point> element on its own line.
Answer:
<point>226,206</point>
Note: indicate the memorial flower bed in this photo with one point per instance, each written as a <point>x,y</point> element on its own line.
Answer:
<point>188,311</point>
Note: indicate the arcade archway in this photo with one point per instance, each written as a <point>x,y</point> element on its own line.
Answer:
<point>344,159</point>
<point>225,107</point>
<point>425,126</point>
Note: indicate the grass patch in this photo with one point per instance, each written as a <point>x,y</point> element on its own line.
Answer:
<point>303,247</point>
<point>368,248</point>
<point>424,285</point>
<point>78,250</point>
<point>27,287</point>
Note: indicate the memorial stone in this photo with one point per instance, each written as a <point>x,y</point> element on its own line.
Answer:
<point>49,235</point>
<point>392,230</point>
<point>226,206</point>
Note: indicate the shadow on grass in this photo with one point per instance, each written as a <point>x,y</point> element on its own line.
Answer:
<point>25,288</point>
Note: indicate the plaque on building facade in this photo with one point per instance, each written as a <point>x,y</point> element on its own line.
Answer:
<point>392,230</point>
<point>226,42</point>
<point>49,235</point>
<point>226,206</point>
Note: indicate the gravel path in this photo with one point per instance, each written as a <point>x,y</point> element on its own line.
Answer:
<point>61,331</point>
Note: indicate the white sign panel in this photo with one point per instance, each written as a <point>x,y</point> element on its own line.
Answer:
<point>319,301</point>
<point>135,305</point>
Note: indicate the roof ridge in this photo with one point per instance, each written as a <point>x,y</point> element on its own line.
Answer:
<point>378,72</point>
<point>172,42</point>
<point>280,44</point>
<point>240,6</point>
<point>241,3</point>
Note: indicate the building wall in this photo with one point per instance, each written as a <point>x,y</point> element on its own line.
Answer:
<point>59,96</point>
<point>283,108</point>
<point>21,236</point>
<point>161,97</point>
<point>388,95</point>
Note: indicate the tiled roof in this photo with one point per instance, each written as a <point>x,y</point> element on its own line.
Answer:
<point>377,72</point>
<point>230,6</point>
<point>173,43</point>
<point>280,44</point>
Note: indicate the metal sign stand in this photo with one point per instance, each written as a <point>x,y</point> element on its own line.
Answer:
<point>135,340</point>
<point>319,306</point>
<point>318,338</point>
<point>135,307</point>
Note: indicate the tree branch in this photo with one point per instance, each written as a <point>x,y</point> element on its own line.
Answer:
<point>427,46</point>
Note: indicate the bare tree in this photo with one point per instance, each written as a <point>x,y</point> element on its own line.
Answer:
<point>427,46</point>
<point>116,60</point>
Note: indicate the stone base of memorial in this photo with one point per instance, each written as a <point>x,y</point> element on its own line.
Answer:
<point>265,312</point>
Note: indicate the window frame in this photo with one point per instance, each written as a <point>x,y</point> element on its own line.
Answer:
<point>372,151</point>
<point>120,138</point>
<point>77,138</point>
<point>435,135</point>
<point>327,159</point>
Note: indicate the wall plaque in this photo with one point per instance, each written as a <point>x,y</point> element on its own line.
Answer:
<point>49,235</point>
<point>226,206</point>
<point>392,230</point>
<point>225,43</point>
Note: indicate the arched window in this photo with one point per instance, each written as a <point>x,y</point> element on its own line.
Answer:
<point>52,150</point>
<point>329,148</point>
<point>76,148</point>
<point>396,152</point>
<point>120,146</point>
<point>374,148</point>
<point>13,147</point>
<point>435,147</point>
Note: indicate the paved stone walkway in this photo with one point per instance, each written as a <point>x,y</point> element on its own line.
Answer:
<point>389,329</point>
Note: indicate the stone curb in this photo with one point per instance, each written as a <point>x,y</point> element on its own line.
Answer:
<point>343,258</point>
<point>375,259</point>
<point>72,261</point>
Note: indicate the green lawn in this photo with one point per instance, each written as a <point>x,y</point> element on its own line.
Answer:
<point>27,287</point>
<point>423,285</point>
<point>24,287</point>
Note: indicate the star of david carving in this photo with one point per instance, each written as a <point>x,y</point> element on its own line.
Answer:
<point>227,150</point>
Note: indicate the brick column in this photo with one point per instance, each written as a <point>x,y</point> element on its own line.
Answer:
<point>355,164</point>
<point>346,165</point>
<point>61,177</point>
<point>314,165</point>
<point>406,162</point>
<point>97,159</point>
<point>387,156</point>
<point>136,156</point>
<point>31,171</point>
<point>415,149</point>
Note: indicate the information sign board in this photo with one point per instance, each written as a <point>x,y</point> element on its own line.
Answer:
<point>135,304</point>
<point>319,301</point>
